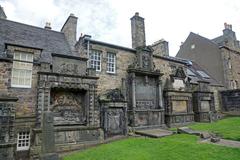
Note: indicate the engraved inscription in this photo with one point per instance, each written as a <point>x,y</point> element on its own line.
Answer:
<point>179,106</point>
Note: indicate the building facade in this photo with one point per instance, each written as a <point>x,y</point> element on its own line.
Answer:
<point>223,55</point>
<point>95,90</point>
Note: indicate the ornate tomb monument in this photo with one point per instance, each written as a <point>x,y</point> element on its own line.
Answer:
<point>113,113</point>
<point>145,108</point>
<point>178,99</point>
<point>203,102</point>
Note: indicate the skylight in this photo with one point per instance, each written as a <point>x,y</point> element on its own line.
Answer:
<point>203,74</point>
<point>190,73</point>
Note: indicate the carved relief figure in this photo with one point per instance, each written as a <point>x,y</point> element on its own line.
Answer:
<point>68,108</point>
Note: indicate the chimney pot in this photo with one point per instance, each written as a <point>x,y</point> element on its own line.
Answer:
<point>48,25</point>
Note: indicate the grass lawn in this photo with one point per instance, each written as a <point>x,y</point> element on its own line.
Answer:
<point>176,147</point>
<point>228,128</point>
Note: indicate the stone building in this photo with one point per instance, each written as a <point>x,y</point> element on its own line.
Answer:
<point>94,89</point>
<point>223,64</point>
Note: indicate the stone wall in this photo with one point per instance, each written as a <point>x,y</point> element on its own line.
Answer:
<point>113,80</point>
<point>26,103</point>
<point>164,67</point>
<point>231,100</point>
<point>216,94</point>
<point>231,63</point>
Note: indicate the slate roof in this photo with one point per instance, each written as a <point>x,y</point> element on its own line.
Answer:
<point>19,34</point>
<point>194,68</point>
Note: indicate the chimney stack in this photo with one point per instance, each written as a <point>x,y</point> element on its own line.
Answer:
<point>228,32</point>
<point>138,31</point>
<point>48,25</point>
<point>2,13</point>
<point>70,30</point>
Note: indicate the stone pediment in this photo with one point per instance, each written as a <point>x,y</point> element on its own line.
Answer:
<point>179,73</point>
<point>144,59</point>
<point>112,95</point>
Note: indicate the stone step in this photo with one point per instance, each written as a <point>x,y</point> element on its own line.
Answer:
<point>154,133</point>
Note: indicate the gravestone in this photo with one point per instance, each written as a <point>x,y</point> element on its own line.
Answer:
<point>113,113</point>
<point>48,138</point>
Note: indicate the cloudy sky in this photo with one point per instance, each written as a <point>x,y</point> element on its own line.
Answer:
<point>109,20</point>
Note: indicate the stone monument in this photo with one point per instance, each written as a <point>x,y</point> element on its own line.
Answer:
<point>48,138</point>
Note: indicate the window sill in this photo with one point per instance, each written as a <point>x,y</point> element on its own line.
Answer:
<point>111,73</point>
<point>21,86</point>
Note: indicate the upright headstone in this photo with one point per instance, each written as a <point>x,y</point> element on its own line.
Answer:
<point>48,139</point>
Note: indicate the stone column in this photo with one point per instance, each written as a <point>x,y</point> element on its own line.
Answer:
<point>160,93</point>
<point>48,137</point>
<point>133,97</point>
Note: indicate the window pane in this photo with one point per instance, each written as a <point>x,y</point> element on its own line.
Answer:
<point>23,56</point>
<point>16,56</point>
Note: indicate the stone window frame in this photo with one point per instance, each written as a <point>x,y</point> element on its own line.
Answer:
<point>111,62</point>
<point>22,65</point>
<point>97,67</point>
<point>23,140</point>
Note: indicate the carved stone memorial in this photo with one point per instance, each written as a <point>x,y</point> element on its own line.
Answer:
<point>178,100</point>
<point>203,102</point>
<point>113,113</point>
<point>48,138</point>
<point>145,107</point>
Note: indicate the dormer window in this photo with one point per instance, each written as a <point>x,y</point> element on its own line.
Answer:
<point>22,69</point>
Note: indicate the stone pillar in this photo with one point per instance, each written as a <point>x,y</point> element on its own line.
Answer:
<point>133,97</point>
<point>138,31</point>
<point>160,93</point>
<point>48,138</point>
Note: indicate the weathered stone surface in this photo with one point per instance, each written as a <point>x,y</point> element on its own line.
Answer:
<point>231,100</point>
<point>188,131</point>
<point>48,138</point>
<point>154,133</point>
<point>215,139</point>
<point>114,118</point>
<point>205,135</point>
<point>138,31</point>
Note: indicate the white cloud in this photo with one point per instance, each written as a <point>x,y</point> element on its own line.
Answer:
<point>109,20</point>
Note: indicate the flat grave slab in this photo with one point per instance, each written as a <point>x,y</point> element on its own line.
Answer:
<point>154,133</point>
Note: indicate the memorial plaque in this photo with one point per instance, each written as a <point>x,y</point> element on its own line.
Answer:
<point>146,92</point>
<point>179,106</point>
<point>205,106</point>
